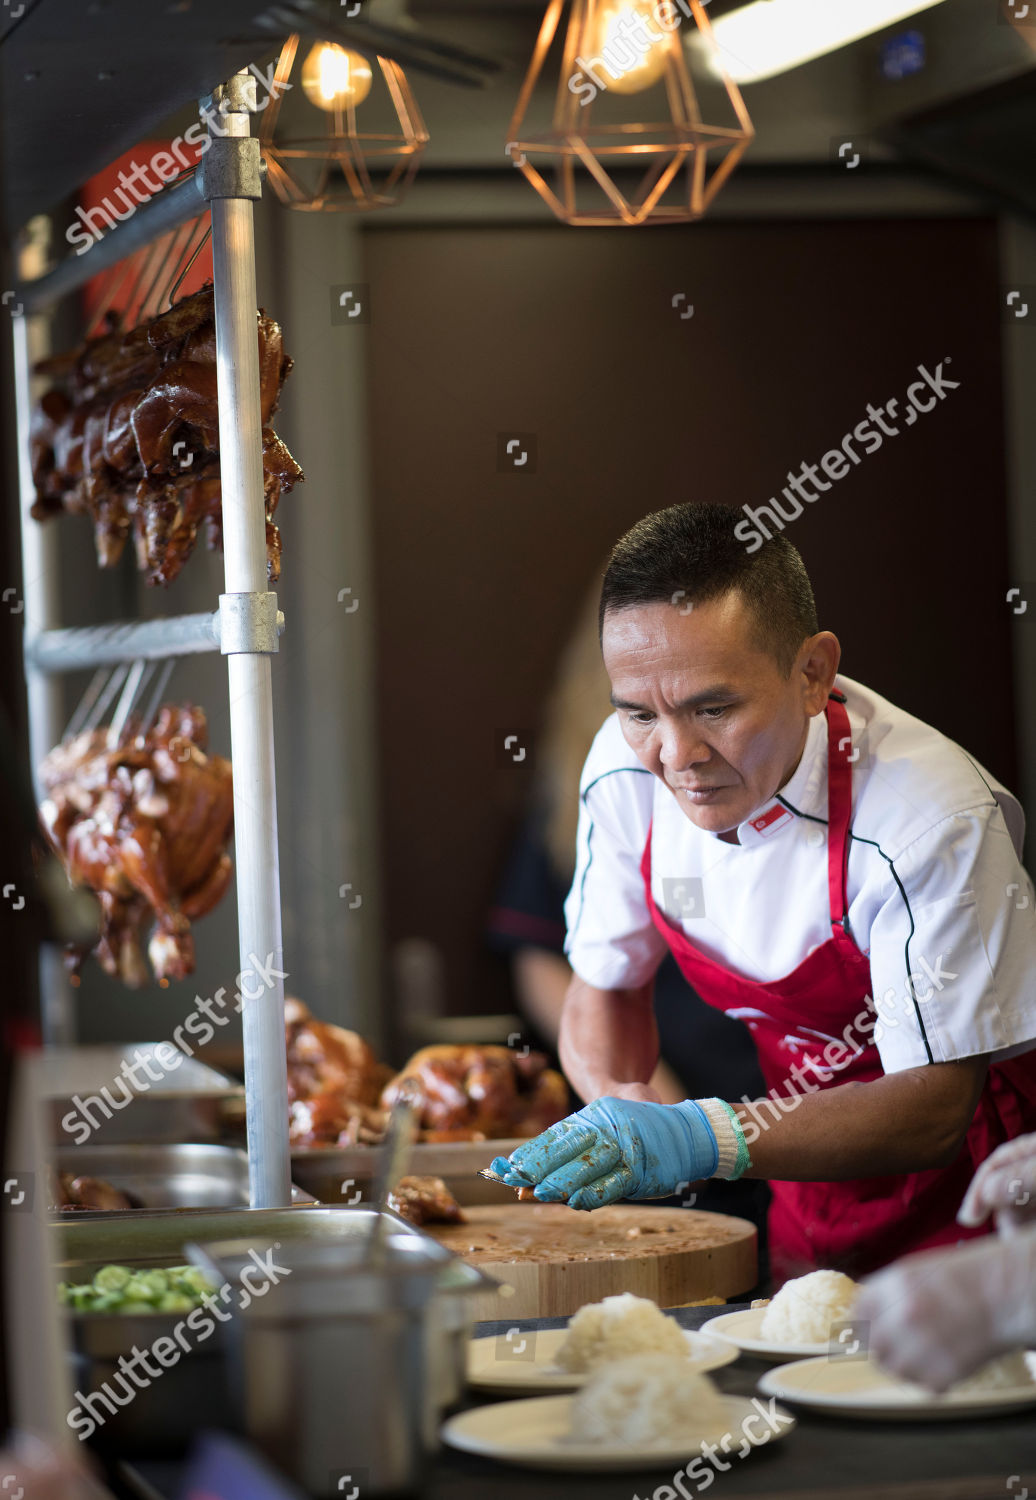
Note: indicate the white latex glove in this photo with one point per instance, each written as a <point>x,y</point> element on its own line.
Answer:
<point>936,1317</point>
<point>1004,1185</point>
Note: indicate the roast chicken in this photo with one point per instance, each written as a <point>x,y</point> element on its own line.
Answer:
<point>145,825</point>
<point>334,1082</point>
<point>70,1193</point>
<point>479,1092</point>
<point>425,1200</point>
<point>339,1094</point>
<point>129,436</point>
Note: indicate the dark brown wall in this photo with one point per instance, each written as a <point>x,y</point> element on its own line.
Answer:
<point>572,335</point>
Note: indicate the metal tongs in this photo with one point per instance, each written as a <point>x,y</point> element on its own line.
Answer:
<point>399,1137</point>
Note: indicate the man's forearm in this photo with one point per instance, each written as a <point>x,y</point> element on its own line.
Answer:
<point>607,1036</point>
<point>902,1122</point>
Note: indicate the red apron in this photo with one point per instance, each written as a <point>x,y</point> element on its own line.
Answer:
<point>857,1225</point>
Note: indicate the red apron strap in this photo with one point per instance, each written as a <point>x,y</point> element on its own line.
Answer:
<point>839,807</point>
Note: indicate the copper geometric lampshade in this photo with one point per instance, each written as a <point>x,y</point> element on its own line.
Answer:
<point>317,156</point>
<point>626,142</point>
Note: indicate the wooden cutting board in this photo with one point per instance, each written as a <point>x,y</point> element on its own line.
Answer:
<point>556,1258</point>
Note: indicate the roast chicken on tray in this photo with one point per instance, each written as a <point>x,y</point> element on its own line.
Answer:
<point>340,1094</point>
<point>129,435</point>
<point>68,1192</point>
<point>470,1093</point>
<point>334,1082</point>
<point>145,825</point>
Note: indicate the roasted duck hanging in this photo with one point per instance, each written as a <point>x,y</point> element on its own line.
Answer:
<point>128,435</point>
<point>145,825</point>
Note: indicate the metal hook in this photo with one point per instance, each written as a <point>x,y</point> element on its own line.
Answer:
<point>190,263</point>
<point>139,676</point>
<point>157,694</point>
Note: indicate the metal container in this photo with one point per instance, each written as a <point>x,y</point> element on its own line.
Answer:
<point>194,1176</point>
<point>163,1419</point>
<point>336,1363</point>
<point>343,1174</point>
<point>92,1098</point>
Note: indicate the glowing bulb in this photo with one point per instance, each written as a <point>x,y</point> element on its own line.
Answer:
<point>625,45</point>
<point>333,78</point>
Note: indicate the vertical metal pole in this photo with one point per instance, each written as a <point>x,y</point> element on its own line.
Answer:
<point>40,1392</point>
<point>251,701</point>
<point>40,605</point>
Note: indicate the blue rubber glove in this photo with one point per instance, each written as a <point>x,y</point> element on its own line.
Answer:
<point>615,1148</point>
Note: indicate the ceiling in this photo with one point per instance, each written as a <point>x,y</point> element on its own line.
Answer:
<point>81,81</point>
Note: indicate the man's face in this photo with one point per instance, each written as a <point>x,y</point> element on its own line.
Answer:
<point>708,711</point>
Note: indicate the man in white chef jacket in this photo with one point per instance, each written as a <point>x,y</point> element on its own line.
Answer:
<point>824,866</point>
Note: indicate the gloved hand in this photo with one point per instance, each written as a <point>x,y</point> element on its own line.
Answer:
<point>936,1317</point>
<point>615,1148</point>
<point>1004,1185</point>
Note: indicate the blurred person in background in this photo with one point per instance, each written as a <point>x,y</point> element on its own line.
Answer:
<point>701,1049</point>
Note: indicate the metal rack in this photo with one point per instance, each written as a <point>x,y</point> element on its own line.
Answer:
<point>159,67</point>
<point>246,626</point>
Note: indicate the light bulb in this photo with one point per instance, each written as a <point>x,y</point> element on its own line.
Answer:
<point>625,46</point>
<point>333,78</point>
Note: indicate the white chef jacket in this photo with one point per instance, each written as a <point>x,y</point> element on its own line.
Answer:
<point>938,899</point>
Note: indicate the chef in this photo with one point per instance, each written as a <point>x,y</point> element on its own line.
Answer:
<point>823,866</point>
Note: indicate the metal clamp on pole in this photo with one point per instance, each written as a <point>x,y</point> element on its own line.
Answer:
<point>231,168</point>
<point>231,165</point>
<point>249,623</point>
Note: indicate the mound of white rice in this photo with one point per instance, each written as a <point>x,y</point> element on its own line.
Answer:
<point>651,1398</point>
<point>616,1328</point>
<point>1008,1370</point>
<point>804,1309</point>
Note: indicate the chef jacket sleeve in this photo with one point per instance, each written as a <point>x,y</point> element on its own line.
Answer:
<point>953,945</point>
<point>612,942</point>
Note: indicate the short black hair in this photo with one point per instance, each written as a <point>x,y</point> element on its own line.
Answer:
<point>689,553</point>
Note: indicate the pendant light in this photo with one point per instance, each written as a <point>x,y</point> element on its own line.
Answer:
<point>625,103</point>
<point>318,158</point>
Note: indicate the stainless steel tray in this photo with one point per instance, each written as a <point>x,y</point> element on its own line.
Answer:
<point>190,1102</point>
<point>202,1176</point>
<point>163,1418</point>
<point>343,1174</point>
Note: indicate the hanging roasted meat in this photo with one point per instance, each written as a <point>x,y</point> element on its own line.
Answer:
<point>145,825</point>
<point>129,436</point>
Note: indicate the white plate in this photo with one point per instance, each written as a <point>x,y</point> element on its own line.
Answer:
<point>743,1329</point>
<point>858,1388</point>
<point>534,1435</point>
<point>497,1365</point>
